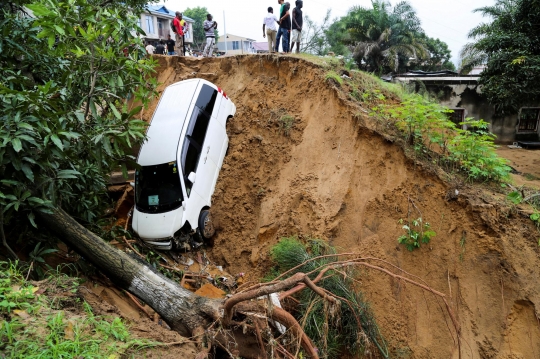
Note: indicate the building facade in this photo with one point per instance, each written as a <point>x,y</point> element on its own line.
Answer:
<point>156,22</point>
<point>235,45</point>
<point>463,95</point>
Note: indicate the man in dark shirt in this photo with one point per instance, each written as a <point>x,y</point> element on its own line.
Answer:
<point>279,33</point>
<point>297,23</point>
<point>170,46</point>
<point>160,49</point>
<point>285,26</point>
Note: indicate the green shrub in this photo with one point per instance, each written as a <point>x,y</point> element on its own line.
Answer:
<point>426,127</point>
<point>333,331</point>
<point>416,232</point>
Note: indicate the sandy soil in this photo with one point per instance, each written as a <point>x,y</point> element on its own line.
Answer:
<point>336,178</point>
<point>526,162</point>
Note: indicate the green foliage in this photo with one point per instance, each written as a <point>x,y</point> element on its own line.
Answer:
<point>54,333</point>
<point>416,232</point>
<point>426,127</point>
<point>37,260</point>
<point>198,14</point>
<point>64,91</point>
<point>334,330</point>
<point>438,58</point>
<point>380,35</point>
<point>332,76</point>
<point>510,47</point>
<point>286,123</point>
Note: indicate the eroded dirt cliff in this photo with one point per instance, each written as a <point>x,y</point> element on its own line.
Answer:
<point>336,178</point>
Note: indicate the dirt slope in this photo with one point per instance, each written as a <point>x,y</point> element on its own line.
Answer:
<point>336,179</point>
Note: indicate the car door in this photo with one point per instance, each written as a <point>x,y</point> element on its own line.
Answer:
<point>208,103</point>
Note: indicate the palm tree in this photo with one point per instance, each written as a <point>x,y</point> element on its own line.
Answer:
<point>475,52</point>
<point>378,36</point>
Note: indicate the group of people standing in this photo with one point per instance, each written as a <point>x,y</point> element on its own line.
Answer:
<point>178,26</point>
<point>288,27</point>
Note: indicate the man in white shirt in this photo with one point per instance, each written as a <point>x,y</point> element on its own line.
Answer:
<point>269,24</point>
<point>150,49</point>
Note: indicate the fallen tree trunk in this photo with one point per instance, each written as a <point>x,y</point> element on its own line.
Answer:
<point>181,309</point>
<point>185,312</point>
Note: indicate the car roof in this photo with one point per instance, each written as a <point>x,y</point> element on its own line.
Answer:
<point>167,123</point>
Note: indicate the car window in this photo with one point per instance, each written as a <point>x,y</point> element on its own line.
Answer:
<point>190,158</point>
<point>157,188</point>
<point>207,99</point>
<point>198,125</point>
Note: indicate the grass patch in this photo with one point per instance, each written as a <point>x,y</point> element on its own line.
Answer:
<point>30,327</point>
<point>332,76</point>
<point>286,124</point>
<point>334,330</point>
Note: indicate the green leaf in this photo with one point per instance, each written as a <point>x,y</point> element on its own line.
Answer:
<point>51,39</point>
<point>31,218</point>
<point>67,174</point>
<point>57,141</point>
<point>59,29</point>
<point>115,111</point>
<point>16,143</point>
<point>27,172</point>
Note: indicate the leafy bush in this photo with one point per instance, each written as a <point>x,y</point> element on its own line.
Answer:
<point>334,331</point>
<point>416,232</point>
<point>426,127</point>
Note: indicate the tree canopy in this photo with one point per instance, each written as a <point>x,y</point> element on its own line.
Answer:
<point>510,47</point>
<point>380,34</point>
<point>73,75</point>
<point>438,56</point>
<point>199,15</point>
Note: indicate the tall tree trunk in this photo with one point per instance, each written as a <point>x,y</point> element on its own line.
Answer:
<point>184,311</point>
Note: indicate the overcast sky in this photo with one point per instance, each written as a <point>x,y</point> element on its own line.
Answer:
<point>449,21</point>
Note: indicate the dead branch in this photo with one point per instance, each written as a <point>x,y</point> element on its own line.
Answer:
<point>269,289</point>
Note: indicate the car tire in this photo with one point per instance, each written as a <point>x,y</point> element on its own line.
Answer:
<point>206,227</point>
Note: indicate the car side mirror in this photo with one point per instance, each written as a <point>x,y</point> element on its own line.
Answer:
<point>192,176</point>
<point>184,205</point>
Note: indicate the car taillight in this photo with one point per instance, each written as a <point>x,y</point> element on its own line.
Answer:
<point>222,92</point>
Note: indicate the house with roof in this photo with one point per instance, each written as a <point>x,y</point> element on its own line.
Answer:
<point>463,95</point>
<point>235,45</point>
<point>156,22</point>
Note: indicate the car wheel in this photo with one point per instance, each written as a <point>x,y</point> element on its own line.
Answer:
<point>206,227</point>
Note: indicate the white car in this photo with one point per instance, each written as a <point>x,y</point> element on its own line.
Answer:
<point>180,163</point>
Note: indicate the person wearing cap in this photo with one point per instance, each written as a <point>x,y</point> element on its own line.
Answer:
<point>209,27</point>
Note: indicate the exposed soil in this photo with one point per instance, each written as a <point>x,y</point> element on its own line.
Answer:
<point>334,177</point>
<point>524,161</point>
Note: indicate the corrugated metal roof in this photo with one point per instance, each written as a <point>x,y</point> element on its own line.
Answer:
<point>162,9</point>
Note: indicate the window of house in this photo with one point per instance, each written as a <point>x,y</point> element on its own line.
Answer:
<point>149,24</point>
<point>236,45</point>
<point>528,119</point>
<point>457,117</point>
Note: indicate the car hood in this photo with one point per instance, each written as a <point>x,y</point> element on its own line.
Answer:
<point>152,226</point>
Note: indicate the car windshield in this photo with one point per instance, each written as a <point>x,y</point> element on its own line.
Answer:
<point>157,188</point>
